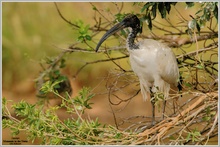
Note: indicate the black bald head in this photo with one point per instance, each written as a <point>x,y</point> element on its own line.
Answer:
<point>130,20</point>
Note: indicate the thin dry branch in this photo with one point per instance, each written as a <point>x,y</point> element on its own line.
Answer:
<point>97,61</point>
<point>175,42</point>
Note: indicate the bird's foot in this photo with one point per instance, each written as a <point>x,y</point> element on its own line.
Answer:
<point>153,122</point>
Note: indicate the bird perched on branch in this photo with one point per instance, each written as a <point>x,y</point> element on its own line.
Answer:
<point>153,62</point>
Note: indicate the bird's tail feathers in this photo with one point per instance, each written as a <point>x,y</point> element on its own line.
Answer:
<point>163,87</point>
<point>160,86</point>
<point>180,82</point>
<point>145,90</point>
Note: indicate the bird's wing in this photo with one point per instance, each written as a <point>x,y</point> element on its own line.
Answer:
<point>168,67</point>
<point>165,61</point>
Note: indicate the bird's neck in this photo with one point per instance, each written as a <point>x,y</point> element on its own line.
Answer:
<point>130,40</point>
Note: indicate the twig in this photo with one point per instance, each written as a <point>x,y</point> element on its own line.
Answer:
<point>97,61</point>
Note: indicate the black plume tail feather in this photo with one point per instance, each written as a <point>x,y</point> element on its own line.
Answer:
<point>180,82</point>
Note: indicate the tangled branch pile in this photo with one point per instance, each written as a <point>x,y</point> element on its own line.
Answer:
<point>194,125</point>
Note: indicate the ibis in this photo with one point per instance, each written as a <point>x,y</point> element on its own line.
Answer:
<point>152,61</point>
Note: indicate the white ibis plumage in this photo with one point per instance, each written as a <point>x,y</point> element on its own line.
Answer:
<point>153,62</point>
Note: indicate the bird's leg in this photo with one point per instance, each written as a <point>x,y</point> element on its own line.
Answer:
<point>175,104</point>
<point>164,107</point>
<point>153,106</point>
<point>153,111</point>
<point>175,101</point>
<point>174,107</point>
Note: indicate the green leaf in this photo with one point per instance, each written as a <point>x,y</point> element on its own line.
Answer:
<point>62,63</point>
<point>208,110</point>
<point>189,31</point>
<point>94,8</point>
<point>198,27</point>
<point>123,33</point>
<point>162,9</point>
<point>88,37</point>
<point>148,21</point>
<point>57,72</point>
<point>192,24</point>
<point>143,8</point>
<point>119,17</point>
<point>188,136</point>
<point>195,134</point>
<point>168,7</point>
<point>206,118</point>
<point>154,11</point>
<point>62,78</point>
<point>202,23</point>
<point>199,66</point>
<point>187,84</point>
<point>215,12</point>
<point>87,28</point>
<point>147,6</point>
<point>207,14</point>
<point>118,135</point>
<point>4,101</point>
<point>198,12</point>
<point>49,60</point>
<point>189,4</point>
<point>15,131</point>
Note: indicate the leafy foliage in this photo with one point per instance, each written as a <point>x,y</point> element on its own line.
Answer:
<point>51,79</point>
<point>47,125</point>
<point>194,135</point>
<point>208,9</point>
<point>84,34</point>
<point>83,99</point>
<point>151,8</point>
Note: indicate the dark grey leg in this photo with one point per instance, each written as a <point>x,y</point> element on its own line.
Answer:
<point>164,107</point>
<point>174,107</point>
<point>153,106</point>
<point>153,112</point>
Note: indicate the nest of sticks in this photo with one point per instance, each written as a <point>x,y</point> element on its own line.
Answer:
<point>195,122</point>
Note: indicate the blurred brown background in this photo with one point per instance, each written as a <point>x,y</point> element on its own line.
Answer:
<point>32,31</point>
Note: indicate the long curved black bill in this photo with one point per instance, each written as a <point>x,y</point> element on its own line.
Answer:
<point>113,30</point>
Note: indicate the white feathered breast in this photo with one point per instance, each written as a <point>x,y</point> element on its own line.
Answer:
<point>156,66</point>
